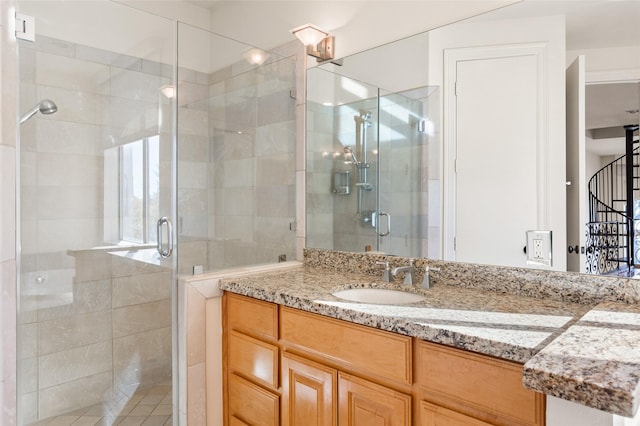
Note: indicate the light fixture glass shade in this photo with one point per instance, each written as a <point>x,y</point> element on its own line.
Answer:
<point>168,91</point>
<point>309,34</point>
<point>255,56</point>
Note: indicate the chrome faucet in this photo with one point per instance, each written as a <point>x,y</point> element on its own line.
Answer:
<point>385,275</point>
<point>426,281</point>
<point>409,272</point>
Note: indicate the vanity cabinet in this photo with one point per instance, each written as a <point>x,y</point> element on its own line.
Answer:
<point>291,367</point>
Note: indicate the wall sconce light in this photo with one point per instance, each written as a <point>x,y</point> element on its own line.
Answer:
<point>319,43</point>
<point>255,56</point>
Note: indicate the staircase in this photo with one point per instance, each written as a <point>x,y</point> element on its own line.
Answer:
<point>611,236</point>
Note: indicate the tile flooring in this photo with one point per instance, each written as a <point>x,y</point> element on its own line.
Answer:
<point>148,407</point>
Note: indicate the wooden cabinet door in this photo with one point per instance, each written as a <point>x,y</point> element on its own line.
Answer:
<point>362,403</point>
<point>250,404</point>
<point>309,394</point>
<point>433,415</point>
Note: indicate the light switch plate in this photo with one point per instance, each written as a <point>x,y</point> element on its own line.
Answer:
<point>539,248</point>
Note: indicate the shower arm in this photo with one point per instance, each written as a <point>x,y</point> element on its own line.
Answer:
<point>27,115</point>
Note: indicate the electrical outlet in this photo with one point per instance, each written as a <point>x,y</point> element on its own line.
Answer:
<point>539,248</point>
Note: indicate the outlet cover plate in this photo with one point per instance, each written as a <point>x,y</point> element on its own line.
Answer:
<point>541,255</point>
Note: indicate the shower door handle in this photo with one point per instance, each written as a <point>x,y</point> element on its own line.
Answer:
<point>165,222</point>
<point>388,216</point>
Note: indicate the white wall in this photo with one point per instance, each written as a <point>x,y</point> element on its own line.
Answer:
<point>606,64</point>
<point>545,29</point>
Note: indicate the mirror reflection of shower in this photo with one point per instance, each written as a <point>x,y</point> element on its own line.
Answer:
<point>45,106</point>
<point>362,121</point>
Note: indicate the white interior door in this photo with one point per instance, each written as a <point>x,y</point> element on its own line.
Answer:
<point>496,164</point>
<point>577,215</point>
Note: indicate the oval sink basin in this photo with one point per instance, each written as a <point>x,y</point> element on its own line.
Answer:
<point>378,295</point>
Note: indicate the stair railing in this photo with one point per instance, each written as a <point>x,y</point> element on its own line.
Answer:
<point>610,230</point>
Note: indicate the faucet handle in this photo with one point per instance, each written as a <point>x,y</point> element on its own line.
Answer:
<point>426,280</point>
<point>386,275</point>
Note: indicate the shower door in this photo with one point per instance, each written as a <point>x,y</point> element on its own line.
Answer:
<point>408,173</point>
<point>96,201</point>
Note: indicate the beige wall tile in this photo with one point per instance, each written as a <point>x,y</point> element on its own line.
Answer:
<point>60,235</point>
<point>142,288</point>
<point>123,267</point>
<point>134,319</point>
<point>8,322</point>
<point>276,170</point>
<point>68,365</point>
<point>92,267</point>
<point>73,74</point>
<point>7,202</point>
<point>238,173</point>
<point>65,333</point>
<point>142,358</point>
<point>69,396</point>
<point>67,137</point>
<point>239,201</point>
<point>69,202</point>
<point>68,169</point>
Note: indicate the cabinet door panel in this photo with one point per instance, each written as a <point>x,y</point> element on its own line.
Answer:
<point>251,404</point>
<point>433,415</point>
<point>236,422</point>
<point>362,403</point>
<point>308,392</point>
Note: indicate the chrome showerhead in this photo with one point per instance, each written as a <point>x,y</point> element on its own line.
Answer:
<point>45,106</point>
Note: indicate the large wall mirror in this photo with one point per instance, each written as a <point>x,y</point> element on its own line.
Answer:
<point>453,143</point>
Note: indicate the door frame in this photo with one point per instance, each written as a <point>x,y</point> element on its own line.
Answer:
<point>451,57</point>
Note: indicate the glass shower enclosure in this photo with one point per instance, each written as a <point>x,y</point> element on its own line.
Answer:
<point>372,167</point>
<point>97,195</point>
<point>162,133</point>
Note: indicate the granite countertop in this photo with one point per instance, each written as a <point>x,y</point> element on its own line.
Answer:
<point>546,335</point>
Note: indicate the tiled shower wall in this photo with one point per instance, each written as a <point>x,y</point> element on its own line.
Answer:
<point>236,151</point>
<point>94,325</point>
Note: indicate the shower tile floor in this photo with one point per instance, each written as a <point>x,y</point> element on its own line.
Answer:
<point>149,407</point>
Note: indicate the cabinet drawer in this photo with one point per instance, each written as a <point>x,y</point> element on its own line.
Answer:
<point>250,404</point>
<point>433,415</point>
<point>253,358</point>
<point>252,316</point>
<point>363,349</point>
<point>485,384</point>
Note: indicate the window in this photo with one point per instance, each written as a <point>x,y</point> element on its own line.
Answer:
<point>139,190</point>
